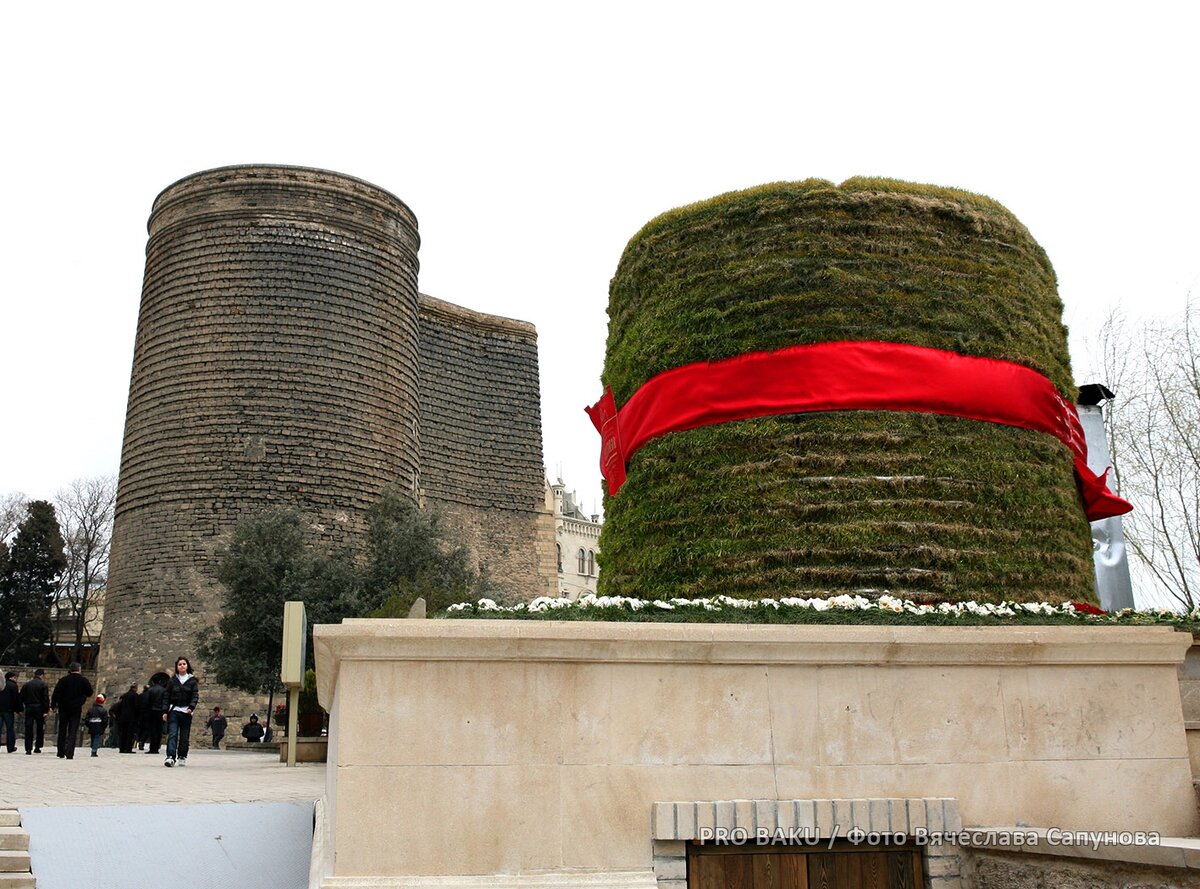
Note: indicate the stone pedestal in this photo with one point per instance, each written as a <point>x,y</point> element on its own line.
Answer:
<point>307,750</point>
<point>466,752</point>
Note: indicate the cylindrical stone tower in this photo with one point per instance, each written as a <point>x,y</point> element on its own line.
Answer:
<point>275,365</point>
<point>914,503</point>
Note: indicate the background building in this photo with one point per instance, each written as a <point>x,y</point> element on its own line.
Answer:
<point>64,620</point>
<point>577,542</point>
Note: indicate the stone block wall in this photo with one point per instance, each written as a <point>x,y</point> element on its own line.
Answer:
<point>1014,870</point>
<point>1189,694</point>
<point>555,765</point>
<point>480,410</point>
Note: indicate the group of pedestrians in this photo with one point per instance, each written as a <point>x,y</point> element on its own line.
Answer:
<point>33,699</point>
<point>36,702</point>
<point>167,702</point>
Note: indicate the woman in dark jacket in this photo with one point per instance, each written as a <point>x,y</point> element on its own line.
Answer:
<point>183,694</point>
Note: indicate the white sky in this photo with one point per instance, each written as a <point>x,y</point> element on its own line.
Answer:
<point>533,140</point>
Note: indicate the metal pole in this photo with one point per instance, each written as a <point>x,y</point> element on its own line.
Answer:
<point>293,723</point>
<point>1113,586</point>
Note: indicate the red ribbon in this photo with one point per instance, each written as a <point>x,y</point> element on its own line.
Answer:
<point>844,376</point>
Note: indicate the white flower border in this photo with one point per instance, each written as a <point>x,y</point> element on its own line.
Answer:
<point>844,602</point>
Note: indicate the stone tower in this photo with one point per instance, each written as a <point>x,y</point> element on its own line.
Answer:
<point>279,362</point>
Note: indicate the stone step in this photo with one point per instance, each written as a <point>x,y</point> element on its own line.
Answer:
<point>14,862</point>
<point>13,839</point>
<point>10,818</point>
<point>17,881</point>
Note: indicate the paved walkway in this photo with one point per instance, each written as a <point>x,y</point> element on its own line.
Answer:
<point>115,779</point>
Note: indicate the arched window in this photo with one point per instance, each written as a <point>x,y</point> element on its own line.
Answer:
<point>591,563</point>
<point>558,551</point>
<point>582,561</point>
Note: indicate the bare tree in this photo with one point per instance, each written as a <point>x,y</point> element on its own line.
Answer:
<point>85,510</point>
<point>1154,437</point>
<point>12,513</point>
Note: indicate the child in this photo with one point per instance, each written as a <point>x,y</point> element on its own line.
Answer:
<point>97,722</point>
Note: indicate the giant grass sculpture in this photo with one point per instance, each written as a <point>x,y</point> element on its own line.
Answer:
<point>916,503</point>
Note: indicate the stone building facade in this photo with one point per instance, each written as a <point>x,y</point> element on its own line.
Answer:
<point>577,542</point>
<point>284,357</point>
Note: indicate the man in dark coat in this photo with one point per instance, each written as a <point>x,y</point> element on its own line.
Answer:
<point>127,711</point>
<point>154,705</point>
<point>70,694</point>
<point>10,706</point>
<point>35,695</point>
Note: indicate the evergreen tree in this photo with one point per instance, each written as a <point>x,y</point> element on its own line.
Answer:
<point>259,570</point>
<point>269,561</point>
<point>409,555</point>
<point>29,583</point>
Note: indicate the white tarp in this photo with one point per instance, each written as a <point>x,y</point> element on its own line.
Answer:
<point>181,846</point>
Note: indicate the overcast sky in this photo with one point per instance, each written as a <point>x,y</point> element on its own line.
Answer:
<point>532,141</point>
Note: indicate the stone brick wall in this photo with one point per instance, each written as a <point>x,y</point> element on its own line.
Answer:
<point>1189,694</point>
<point>277,364</point>
<point>1015,870</point>
<point>480,413</point>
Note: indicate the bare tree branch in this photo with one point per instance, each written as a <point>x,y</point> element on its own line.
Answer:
<point>1154,437</point>
<point>12,512</point>
<point>85,509</point>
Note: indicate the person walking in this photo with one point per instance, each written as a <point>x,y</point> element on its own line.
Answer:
<point>70,694</point>
<point>143,732</point>
<point>112,739</point>
<point>217,723</point>
<point>97,722</point>
<point>35,696</point>
<point>183,694</point>
<point>10,706</point>
<point>155,710</point>
<point>127,712</point>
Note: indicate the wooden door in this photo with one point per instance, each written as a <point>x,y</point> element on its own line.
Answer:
<point>803,867</point>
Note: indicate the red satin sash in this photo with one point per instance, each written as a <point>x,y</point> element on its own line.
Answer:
<point>843,376</point>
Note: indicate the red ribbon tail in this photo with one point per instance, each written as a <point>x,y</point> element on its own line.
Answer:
<point>612,458</point>
<point>1098,501</point>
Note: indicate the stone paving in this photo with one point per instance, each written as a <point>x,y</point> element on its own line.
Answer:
<point>114,779</point>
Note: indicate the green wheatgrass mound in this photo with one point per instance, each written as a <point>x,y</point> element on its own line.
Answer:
<point>918,504</point>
